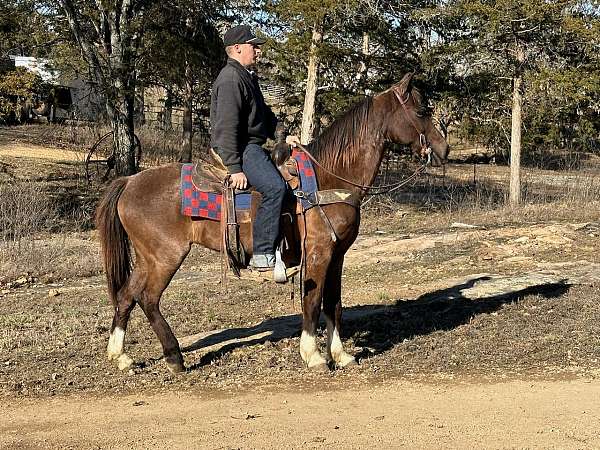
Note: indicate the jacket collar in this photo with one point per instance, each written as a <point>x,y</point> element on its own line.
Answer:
<point>240,68</point>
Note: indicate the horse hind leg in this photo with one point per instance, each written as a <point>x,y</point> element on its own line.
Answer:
<point>149,300</point>
<point>124,304</point>
<point>332,309</point>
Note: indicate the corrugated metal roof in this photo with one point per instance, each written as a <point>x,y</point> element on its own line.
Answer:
<point>36,65</point>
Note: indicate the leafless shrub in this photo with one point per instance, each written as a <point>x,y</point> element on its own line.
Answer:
<point>481,197</point>
<point>27,211</point>
<point>158,146</point>
<point>71,135</point>
<point>24,210</point>
<point>164,146</point>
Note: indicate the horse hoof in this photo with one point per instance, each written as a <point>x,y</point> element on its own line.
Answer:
<point>176,368</point>
<point>124,362</point>
<point>348,365</point>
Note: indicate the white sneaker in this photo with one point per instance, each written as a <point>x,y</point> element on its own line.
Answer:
<point>262,263</point>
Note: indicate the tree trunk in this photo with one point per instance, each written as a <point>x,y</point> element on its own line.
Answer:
<point>121,119</point>
<point>167,118</point>
<point>308,115</point>
<point>362,70</point>
<point>188,133</point>
<point>515,140</point>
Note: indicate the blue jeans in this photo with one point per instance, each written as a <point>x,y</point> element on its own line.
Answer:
<point>264,176</point>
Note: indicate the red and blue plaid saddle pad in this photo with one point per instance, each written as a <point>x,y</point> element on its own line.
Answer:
<point>197,203</point>
<point>308,187</point>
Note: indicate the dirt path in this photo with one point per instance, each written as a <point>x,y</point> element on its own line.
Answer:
<point>20,150</point>
<point>516,414</point>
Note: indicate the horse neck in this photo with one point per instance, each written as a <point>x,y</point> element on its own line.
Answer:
<point>363,164</point>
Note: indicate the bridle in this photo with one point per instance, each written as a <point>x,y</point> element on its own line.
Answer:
<point>385,189</point>
<point>425,147</point>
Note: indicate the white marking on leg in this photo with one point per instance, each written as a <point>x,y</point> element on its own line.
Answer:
<point>335,348</point>
<point>115,343</point>
<point>309,350</point>
<point>330,328</point>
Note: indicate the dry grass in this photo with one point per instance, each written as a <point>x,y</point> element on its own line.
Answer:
<point>61,339</point>
<point>436,201</point>
<point>27,213</point>
<point>59,201</point>
<point>158,146</point>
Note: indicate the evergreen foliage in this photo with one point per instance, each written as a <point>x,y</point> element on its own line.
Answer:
<point>478,44</point>
<point>465,52</point>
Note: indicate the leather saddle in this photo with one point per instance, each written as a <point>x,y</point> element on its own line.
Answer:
<point>210,173</point>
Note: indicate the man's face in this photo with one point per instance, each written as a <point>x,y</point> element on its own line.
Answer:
<point>247,54</point>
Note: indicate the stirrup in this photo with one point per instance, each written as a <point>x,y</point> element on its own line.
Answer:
<point>269,275</point>
<point>262,263</point>
<point>279,272</point>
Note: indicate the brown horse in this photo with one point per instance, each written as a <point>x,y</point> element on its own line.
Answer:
<point>145,210</point>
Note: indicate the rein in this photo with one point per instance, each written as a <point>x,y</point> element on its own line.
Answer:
<point>366,188</point>
<point>385,189</point>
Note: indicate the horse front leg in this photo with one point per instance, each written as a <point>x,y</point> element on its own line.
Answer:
<point>316,269</point>
<point>332,308</point>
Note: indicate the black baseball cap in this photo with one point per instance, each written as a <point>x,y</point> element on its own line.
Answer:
<point>241,34</point>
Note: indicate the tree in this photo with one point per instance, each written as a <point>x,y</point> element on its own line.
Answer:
<point>109,35</point>
<point>17,91</point>
<point>346,49</point>
<point>25,29</point>
<point>184,31</point>
<point>499,50</point>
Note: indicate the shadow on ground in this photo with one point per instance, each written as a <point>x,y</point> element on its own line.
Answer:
<point>377,328</point>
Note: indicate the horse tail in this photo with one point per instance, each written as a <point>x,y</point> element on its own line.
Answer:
<point>113,239</point>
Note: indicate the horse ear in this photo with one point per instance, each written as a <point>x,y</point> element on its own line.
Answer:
<point>405,85</point>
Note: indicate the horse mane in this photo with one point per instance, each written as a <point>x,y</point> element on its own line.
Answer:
<point>340,141</point>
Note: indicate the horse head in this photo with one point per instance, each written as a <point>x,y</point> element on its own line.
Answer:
<point>409,122</point>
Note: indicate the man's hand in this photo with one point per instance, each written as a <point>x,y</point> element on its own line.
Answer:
<point>238,180</point>
<point>293,141</point>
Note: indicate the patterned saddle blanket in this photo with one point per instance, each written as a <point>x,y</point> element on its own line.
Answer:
<point>201,195</point>
<point>196,201</point>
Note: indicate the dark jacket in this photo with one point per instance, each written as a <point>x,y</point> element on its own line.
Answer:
<point>238,114</point>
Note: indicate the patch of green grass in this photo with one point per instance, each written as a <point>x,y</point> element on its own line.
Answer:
<point>383,296</point>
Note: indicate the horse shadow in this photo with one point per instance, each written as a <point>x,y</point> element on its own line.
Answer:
<point>441,310</point>
<point>376,328</point>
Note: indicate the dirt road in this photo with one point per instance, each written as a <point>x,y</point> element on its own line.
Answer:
<point>516,414</point>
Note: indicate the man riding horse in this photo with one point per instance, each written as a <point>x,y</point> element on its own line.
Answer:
<point>142,213</point>
<point>241,122</point>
